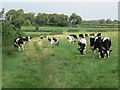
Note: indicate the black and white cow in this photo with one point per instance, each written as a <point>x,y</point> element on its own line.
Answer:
<point>53,41</point>
<point>82,43</point>
<point>103,46</point>
<point>75,36</point>
<point>92,39</point>
<point>72,38</point>
<point>20,42</point>
<point>41,37</point>
<point>106,43</point>
<point>98,45</point>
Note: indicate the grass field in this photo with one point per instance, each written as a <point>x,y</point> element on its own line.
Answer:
<point>67,28</point>
<point>43,66</point>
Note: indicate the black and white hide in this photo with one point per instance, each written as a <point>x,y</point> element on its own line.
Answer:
<point>20,42</point>
<point>92,41</point>
<point>98,46</point>
<point>82,43</point>
<point>53,41</point>
<point>71,38</point>
<point>41,37</point>
<point>106,43</point>
<point>75,36</point>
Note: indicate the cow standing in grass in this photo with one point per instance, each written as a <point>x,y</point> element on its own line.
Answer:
<point>53,41</point>
<point>71,38</point>
<point>98,45</point>
<point>92,41</point>
<point>82,43</point>
<point>106,43</point>
<point>20,42</point>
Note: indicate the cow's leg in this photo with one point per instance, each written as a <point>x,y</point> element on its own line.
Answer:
<point>84,49</point>
<point>94,52</point>
<point>19,48</point>
<point>108,53</point>
<point>22,47</point>
<point>73,42</point>
<point>99,54</point>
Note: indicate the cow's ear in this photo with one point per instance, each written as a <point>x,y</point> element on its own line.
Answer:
<point>31,37</point>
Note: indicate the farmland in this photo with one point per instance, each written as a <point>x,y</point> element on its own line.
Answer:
<point>59,67</point>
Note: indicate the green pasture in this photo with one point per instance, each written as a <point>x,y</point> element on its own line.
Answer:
<point>67,28</point>
<point>44,66</point>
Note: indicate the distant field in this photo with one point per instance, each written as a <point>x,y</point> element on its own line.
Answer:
<point>68,28</point>
<point>61,30</point>
<point>59,67</point>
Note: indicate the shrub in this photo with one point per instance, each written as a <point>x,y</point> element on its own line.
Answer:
<point>36,27</point>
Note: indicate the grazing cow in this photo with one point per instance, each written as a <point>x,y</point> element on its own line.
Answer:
<point>106,43</point>
<point>71,38</point>
<point>82,43</point>
<point>20,42</point>
<point>53,41</point>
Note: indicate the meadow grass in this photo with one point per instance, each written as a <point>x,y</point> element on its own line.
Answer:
<point>59,67</point>
<point>66,28</point>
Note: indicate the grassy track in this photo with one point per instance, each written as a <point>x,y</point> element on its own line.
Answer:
<point>42,66</point>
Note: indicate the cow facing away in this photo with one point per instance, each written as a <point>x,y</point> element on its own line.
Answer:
<point>82,43</point>
<point>106,43</point>
<point>92,41</point>
<point>103,46</point>
<point>20,42</point>
<point>98,45</point>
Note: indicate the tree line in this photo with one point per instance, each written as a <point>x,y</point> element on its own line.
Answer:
<point>17,18</point>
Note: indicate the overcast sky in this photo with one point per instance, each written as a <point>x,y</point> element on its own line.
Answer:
<point>87,10</point>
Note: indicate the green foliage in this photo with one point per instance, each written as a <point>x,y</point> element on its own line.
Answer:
<point>27,23</point>
<point>75,19</point>
<point>42,19</point>
<point>18,18</point>
<point>15,17</point>
<point>36,27</point>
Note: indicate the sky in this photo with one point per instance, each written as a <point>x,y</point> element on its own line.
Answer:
<point>88,10</point>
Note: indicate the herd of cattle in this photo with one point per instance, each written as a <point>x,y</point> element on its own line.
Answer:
<point>97,43</point>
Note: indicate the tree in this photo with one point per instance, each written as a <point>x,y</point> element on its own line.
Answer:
<point>15,17</point>
<point>29,16</point>
<point>2,14</point>
<point>42,19</point>
<point>75,19</point>
<point>27,22</point>
<point>102,21</point>
<point>63,20</point>
<point>108,21</point>
<point>36,27</point>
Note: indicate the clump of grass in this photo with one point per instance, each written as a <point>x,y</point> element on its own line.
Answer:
<point>36,46</point>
